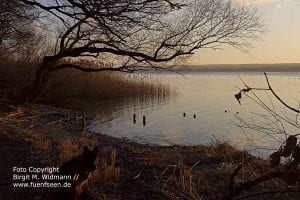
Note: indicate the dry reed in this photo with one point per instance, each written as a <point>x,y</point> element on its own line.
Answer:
<point>111,171</point>
<point>182,177</point>
<point>67,85</point>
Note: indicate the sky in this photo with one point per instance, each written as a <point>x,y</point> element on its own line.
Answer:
<point>280,44</point>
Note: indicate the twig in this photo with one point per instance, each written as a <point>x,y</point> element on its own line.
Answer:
<point>278,98</point>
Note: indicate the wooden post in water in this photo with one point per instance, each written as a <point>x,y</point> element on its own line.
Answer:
<point>144,121</point>
<point>134,118</point>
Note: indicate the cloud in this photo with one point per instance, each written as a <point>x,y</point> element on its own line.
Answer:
<point>276,3</point>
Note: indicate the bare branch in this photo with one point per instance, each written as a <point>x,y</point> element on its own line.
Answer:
<point>147,32</point>
<point>277,97</point>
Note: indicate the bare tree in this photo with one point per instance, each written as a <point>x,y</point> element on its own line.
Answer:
<point>15,24</point>
<point>123,35</point>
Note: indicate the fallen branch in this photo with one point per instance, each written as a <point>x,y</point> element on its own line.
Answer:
<point>249,184</point>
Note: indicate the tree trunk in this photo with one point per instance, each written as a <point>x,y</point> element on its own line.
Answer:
<point>42,77</point>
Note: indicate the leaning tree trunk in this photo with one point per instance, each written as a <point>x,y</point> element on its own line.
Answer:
<point>42,76</point>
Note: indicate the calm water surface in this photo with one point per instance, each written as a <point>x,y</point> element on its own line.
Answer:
<point>210,97</point>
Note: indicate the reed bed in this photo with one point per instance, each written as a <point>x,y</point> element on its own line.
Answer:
<point>68,85</point>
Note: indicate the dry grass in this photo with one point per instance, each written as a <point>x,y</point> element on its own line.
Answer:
<point>42,146</point>
<point>111,172</point>
<point>68,149</point>
<point>182,177</point>
<point>68,85</point>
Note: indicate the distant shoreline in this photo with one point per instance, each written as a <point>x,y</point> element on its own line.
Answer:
<point>282,67</point>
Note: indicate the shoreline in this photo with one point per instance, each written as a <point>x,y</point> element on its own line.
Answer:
<point>44,136</point>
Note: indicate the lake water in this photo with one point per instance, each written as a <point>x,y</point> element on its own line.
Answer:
<point>210,97</point>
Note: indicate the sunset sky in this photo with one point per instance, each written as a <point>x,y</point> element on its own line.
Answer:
<point>281,43</point>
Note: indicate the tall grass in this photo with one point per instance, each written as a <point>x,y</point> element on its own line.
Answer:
<point>182,178</point>
<point>70,85</point>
